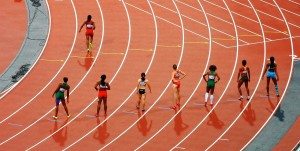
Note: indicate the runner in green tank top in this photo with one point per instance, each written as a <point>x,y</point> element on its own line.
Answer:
<point>211,81</point>
<point>60,97</point>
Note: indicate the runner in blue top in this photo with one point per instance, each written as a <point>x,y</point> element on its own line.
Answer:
<point>271,69</point>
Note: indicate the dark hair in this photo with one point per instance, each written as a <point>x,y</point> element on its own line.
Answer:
<point>272,60</point>
<point>102,81</point>
<point>65,79</point>
<point>244,62</point>
<point>174,66</point>
<point>143,75</point>
<point>212,68</point>
<point>89,17</point>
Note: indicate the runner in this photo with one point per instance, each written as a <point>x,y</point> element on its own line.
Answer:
<point>271,69</point>
<point>243,77</point>
<point>141,91</point>
<point>90,27</point>
<point>102,87</point>
<point>176,76</point>
<point>60,97</point>
<point>211,81</point>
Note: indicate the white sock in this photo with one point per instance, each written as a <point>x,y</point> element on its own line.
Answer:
<point>206,97</point>
<point>211,99</point>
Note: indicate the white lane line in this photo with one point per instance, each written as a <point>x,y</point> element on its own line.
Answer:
<point>294,2</point>
<point>68,57</point>
<point>210,49</point>
<point>124,58</point>
<point>289,79</point>
<point>267,41</point>
<point>254,33</point>
<point>197,21</point>
<point>5,92</point>
<point>133,91</point>
<point>246,17</point>
<point>14,124</point>
<point>176,25</point>
<point>72,48</point>
<point>258,83</point>
<point>218,101</point>
<point>156,101</point>
<point>282,9</point>
<point>266,13</point>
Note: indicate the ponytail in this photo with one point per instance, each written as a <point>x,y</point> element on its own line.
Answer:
<point>143,76</point>
<point>102,81</point>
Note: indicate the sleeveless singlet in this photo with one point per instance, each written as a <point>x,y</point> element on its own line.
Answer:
<point>211,79</point>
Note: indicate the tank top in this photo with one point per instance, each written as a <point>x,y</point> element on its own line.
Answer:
<point>271,67</point>
<point>102,87</point>
<point>211,76</point>
<point>177,75</point>
<point>89,25</point>
<point>63,87</point>
<point>244,72</point>
<point>142,84</point>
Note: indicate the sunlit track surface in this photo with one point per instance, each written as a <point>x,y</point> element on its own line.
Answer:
<point>150,36</point>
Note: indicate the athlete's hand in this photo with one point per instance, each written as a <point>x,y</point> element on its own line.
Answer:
<point>262,78</point>
<point>68,100</point>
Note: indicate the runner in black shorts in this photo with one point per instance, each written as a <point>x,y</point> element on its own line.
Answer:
<point>243,77</point>
<point>141,91</point>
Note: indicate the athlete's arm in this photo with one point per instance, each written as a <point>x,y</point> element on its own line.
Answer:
<point>248,69</point>
<point>82,25</point>
<point>68,94</point>
<point>238,77</point>
<point>108,86</point>
<point>96,86</point>
<point>218,78</point>
<point>276,73</point>
<point>149,87</point>
<point>56,90</point>
<point>94,26</point>
<point>181,72</point>
<point>265,70</point>
<point>204,76</point>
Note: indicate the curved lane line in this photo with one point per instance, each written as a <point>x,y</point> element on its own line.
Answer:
<point>289,79</point>
<point>5,92</point>
<point>265,47</point>
<point>236,58</point>
<point>198,84</point>
<point>179,62</point>
<point>72,48</point>
<point>98,53</point>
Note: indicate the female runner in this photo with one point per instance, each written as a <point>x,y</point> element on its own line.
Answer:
<point>243,77</point>
<point>271,69</point>
<point>141,91</point>
<point>60,97</point>
<point>176,76</point>
<point>211,81</point>
<point>102,87</point>
<point>90,27</point>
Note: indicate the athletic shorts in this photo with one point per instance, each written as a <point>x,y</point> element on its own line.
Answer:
<point>210,83</point>
<point>89,32</point>
<point>142,91</point>
<point>102,94</point>
<point>271,75</point>
<point>176,84</point>
<point>244,79</point>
